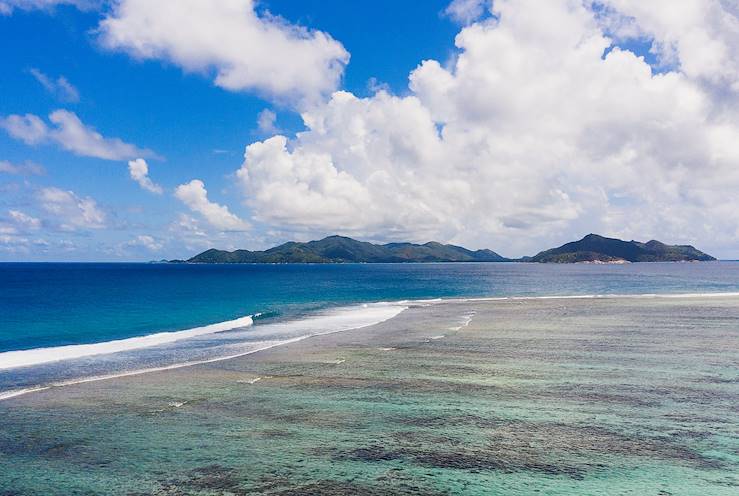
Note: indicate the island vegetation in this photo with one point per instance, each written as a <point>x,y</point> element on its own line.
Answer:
<point>598,249</point>
<point>340,249</point>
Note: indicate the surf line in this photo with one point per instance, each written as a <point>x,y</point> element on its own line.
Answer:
<point>5,395</point>
<point>24,358</point>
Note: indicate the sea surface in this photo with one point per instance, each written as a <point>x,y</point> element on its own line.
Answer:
<point>64,322</point>
<point>474,379</point>
<point>559,396</point>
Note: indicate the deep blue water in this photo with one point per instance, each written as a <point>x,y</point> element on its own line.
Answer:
<point>51,304</point>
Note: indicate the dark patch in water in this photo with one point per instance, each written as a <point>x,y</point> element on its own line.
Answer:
<point>461,459</point>
<point>516,446</point>
<point>374,454</point>
<point>343,488</point>
<point>451,420</point>
<point>214,477</point>
<point>211,479</point>
<point>492,461</point>
<point>276,433</point>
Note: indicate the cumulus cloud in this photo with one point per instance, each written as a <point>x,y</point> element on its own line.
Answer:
<point>188,226</point>
<point>59,87</point>
<point>69,132</point>
<point>29,128</point>
<point>539,131</point>
<point>139,171</point>
<point>24,220</point>
<point>701,37</point>
<point>246,50</point>
<point>25,169</point>
<point>466,11</point>
<point>266,122</point>
<point>190,236</point>
<point>71,211</point>
<point>147,242</point>
<point>195,196</point>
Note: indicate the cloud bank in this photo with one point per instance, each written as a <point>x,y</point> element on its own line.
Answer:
<point>540,130</point>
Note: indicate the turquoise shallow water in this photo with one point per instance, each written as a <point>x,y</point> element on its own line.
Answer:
<point>618,396</point>
<point>47,306</point>
<point>586,396</point>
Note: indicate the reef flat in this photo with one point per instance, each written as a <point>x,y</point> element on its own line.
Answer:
<point>632,395</point>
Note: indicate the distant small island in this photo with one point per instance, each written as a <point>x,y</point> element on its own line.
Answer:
<point>340,249</point>
<point>598,249</point>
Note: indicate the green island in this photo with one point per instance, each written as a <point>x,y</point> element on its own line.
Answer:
<point>340,249</point>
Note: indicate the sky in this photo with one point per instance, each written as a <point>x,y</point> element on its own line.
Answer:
<point>133,130</point>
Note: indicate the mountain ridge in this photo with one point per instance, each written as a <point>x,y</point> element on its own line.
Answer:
<point>341,249</point>
<point>599,249</point>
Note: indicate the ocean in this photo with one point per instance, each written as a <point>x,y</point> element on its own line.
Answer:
<point>474,379</point>
<point>62,322</point>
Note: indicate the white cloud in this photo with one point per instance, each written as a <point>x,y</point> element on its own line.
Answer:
<point>59,87</point>
<point>466,11</point>
<point>24,220</point>
<point>531,136</point>
<point>71,211</point>
<point>701,36</point>
<point>28,128</point>
<point>71,134</point>
<point>147,242</point>
<point>11,243</point>
<point>8,6</point>
<point>189,226</point>
<point>139,171</point>
<point>189,236</point>
<point>246,50</point>
<point>266,122</point>
<point>195,196</point>
<point>83,140</point>
<point>25,169</point>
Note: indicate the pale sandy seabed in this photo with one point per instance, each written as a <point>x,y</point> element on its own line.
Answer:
<point>542,396</point>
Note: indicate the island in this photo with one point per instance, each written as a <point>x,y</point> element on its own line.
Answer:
<point>341,249</point>
<point>598,249</point>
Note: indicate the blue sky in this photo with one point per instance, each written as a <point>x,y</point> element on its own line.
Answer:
<point>200,130</point>
<point>196,129</point>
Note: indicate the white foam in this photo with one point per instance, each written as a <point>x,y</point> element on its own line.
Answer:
<point>465,322</point>
<point>36,356</point>
<point>598,296</point>
<point>6,395</point>
<point>342,319</point>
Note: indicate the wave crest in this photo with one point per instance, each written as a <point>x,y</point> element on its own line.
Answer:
<point>37,356</point>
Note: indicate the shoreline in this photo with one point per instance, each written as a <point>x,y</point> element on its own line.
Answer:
<point>405,304</point>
